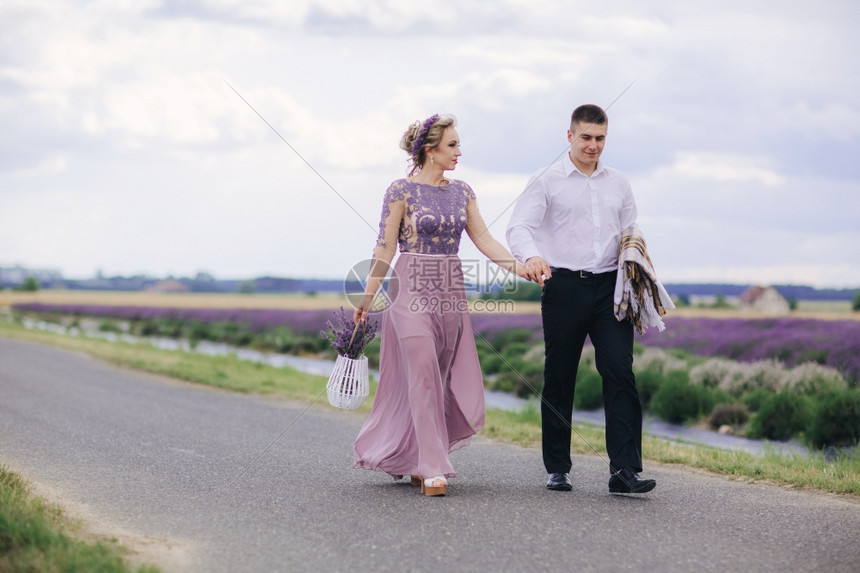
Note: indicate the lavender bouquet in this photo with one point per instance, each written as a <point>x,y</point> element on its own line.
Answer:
<point>345,338</point>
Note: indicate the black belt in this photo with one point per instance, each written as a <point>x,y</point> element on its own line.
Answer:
<point>578,274</point>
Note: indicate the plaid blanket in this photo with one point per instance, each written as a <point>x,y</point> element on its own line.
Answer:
<point>639,296</point>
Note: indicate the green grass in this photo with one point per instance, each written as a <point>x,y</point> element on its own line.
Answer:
<point>35,536</point>
<point>227,372</point>
<point>523,428</point>
<point>813,472</point>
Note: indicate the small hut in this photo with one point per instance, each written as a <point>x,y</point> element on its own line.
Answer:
<point>764,299</point>
<point>168,286</point>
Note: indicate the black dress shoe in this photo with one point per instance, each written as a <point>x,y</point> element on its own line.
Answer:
<point>559,482</point>
<point>626,480</point>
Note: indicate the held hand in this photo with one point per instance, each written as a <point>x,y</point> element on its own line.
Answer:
<point>520,271</point>
<point>363,308</point>
<point>537,270</point>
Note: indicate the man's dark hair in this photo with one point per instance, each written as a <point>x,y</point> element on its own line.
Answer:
<point>588,114</point>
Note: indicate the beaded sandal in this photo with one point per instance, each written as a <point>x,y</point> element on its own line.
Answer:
<point>434,486</point>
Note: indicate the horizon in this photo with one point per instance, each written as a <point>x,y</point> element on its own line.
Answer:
<point>217,278</point>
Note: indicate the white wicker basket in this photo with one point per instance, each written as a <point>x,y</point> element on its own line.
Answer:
<point>348,384</point>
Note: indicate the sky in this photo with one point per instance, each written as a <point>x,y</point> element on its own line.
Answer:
<point>125,150</point>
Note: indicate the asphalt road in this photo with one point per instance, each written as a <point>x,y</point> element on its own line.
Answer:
<point>157,457</point>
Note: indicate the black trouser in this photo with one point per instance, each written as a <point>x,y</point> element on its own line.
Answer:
<point>574,305</point>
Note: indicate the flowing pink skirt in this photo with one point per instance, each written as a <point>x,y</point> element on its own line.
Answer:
<point>430,398</point>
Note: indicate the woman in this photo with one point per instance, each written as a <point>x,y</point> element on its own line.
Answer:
<point>430,398</point>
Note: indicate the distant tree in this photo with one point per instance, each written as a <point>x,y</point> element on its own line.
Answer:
<point>523,291</point>
<point>792,303</point>
<point>721,302</point>
<point>682,300</point>
<point>246,287</point>
<point>856,304</point>
<point>520,291</point>
<point>30,285</point>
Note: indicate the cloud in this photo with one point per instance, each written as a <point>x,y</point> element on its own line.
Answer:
<point>50,165</point>
<point>719,167</point>
<point>820,276</point>
<point>740,131</point>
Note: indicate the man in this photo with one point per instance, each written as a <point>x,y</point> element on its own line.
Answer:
<point>566,228</point>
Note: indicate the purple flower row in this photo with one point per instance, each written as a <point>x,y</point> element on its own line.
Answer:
<point>491,324</point>
<point>300,321</point>
<point>833,343</point>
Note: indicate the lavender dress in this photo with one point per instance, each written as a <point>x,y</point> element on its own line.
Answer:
<point>430,399</point>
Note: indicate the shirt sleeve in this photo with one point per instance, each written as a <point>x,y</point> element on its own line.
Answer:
<point>528,215</point>
<point>389,224</point>
<point>628,214</point>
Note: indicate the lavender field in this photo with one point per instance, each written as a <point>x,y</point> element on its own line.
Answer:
<point>299,321</point>
<point>833,343</point>
<point>792,341</point>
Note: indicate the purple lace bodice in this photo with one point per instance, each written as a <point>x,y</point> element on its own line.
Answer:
<point>433,217</point>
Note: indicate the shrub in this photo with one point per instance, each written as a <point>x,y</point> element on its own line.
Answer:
<point>530,379</point>
<point>279,339</point>
<point>503,383</point>
<point>715,397</point>
<point>736,378</point>
<point>145,328</point>
<point>836,420</point>
<point>647,383</point>
<point>522,378</point>
<point>109,326</point>
<point>588,394</point>
<point>767,374</point>
<point>317,344</point>
<point>678,401</point>
<point>586,359</point>
<point>536,353</point>
<point>855,304</point>
<point>811,378</point>
<point>781,417</point>
<point>716,373</point>
<point>491,363</point>
<point>506,337</point>
<point>515,350</point>
<point>197,330</point>
<point>728,415</point>
<point>754,399</point>
<point>658,360</point>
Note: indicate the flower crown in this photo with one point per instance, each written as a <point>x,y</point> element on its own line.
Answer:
<point>422,133</point>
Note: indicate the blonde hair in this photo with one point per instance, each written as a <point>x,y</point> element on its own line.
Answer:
<point>420,137</point>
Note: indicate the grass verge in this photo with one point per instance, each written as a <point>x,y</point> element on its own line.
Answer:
<point>35,536</point>
<point>815,471</point>
<point>841,476</point>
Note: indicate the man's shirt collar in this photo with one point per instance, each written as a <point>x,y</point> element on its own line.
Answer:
<point>570,167</point>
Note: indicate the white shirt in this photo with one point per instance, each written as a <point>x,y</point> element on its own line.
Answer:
<point>572,220</point>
